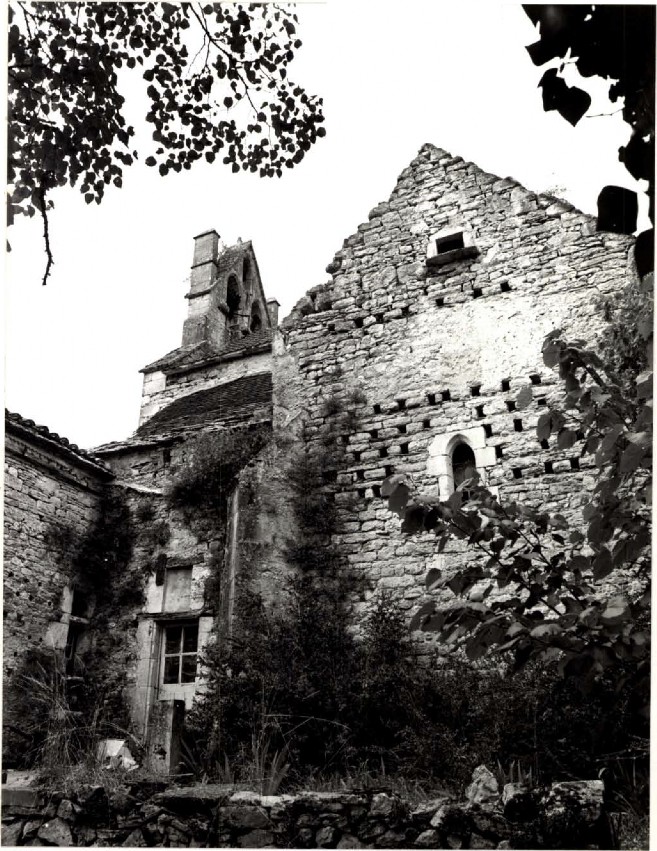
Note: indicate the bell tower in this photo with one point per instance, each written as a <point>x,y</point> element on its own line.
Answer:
<point>226,300</point>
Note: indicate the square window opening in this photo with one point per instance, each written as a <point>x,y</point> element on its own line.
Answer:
<point>180,649</point>
<point>454,242</point>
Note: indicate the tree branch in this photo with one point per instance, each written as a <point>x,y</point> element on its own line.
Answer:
<point>46,234</point>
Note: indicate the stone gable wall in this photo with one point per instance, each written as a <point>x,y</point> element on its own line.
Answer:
<point>416,353</point>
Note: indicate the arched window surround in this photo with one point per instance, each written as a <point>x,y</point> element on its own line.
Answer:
<point>441,448</point>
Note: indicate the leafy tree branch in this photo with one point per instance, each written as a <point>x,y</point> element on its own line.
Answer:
<point>67,62</point>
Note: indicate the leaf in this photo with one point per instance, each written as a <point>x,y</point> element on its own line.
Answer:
<point>398,499</point>
<point>434,579</point>
<point>632,458</point>
<point>421,615</point>
<point>389,484</point>
<point>150,161</point>
<point>546,630</point>
<point>524,398</point>
<point>543,429</point>
<point>602,564</point>
<point>566,438</point>
<point>616,611</point>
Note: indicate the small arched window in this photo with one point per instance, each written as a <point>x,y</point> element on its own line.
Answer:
<point>233,297</point>
<point>464,466</point>
<point>256,318</point>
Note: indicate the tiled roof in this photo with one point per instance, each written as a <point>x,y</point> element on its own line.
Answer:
<point>251,341</point>
<point>200,353</point>
<point>25,427</point>
<point>235,401</point>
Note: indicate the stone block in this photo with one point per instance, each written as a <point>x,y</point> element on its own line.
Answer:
<point>256,839</point>
<point>56,832</point>
<point>11,833</point>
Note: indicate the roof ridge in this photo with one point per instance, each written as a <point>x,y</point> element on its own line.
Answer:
<point>45,433</point>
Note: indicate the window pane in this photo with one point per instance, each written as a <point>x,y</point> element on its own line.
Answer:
<point>172,644</point>
<point>190,639</point>
<point>188,669</point>
<point>171,670</point>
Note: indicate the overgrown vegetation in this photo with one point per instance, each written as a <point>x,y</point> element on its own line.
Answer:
<point>213,462</point>
<point>60,714</point>
<point>102,560</point>
<point>60,710</point>
<point>337,708</point>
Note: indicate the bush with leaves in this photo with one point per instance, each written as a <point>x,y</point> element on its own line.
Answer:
<point>215,75</point>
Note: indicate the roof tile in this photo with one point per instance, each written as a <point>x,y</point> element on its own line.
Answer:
<point>22,424</point>
<point>235,400</point>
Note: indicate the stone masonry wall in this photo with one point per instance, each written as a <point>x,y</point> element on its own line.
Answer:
<point>418,353</point>
<point>44,492</point>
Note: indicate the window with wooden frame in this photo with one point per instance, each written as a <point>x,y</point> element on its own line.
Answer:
<point>179,653</point>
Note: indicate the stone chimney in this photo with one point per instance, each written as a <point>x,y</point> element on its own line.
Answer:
<point>272,310</point>
<point>205,322</point>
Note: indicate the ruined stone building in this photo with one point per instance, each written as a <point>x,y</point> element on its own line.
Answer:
<point>408,359</point>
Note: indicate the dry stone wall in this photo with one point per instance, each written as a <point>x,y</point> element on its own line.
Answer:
<point>565,815</point>
<point>418,352</point>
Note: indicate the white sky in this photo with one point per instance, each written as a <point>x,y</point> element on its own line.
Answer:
<point>393,76</point>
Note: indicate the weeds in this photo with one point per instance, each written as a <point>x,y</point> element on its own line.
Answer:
<point>66,721</point>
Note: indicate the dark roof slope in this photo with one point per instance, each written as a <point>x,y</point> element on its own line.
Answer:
<point>188,357</point>
<point>236,400</point>
<point>25,428</point>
